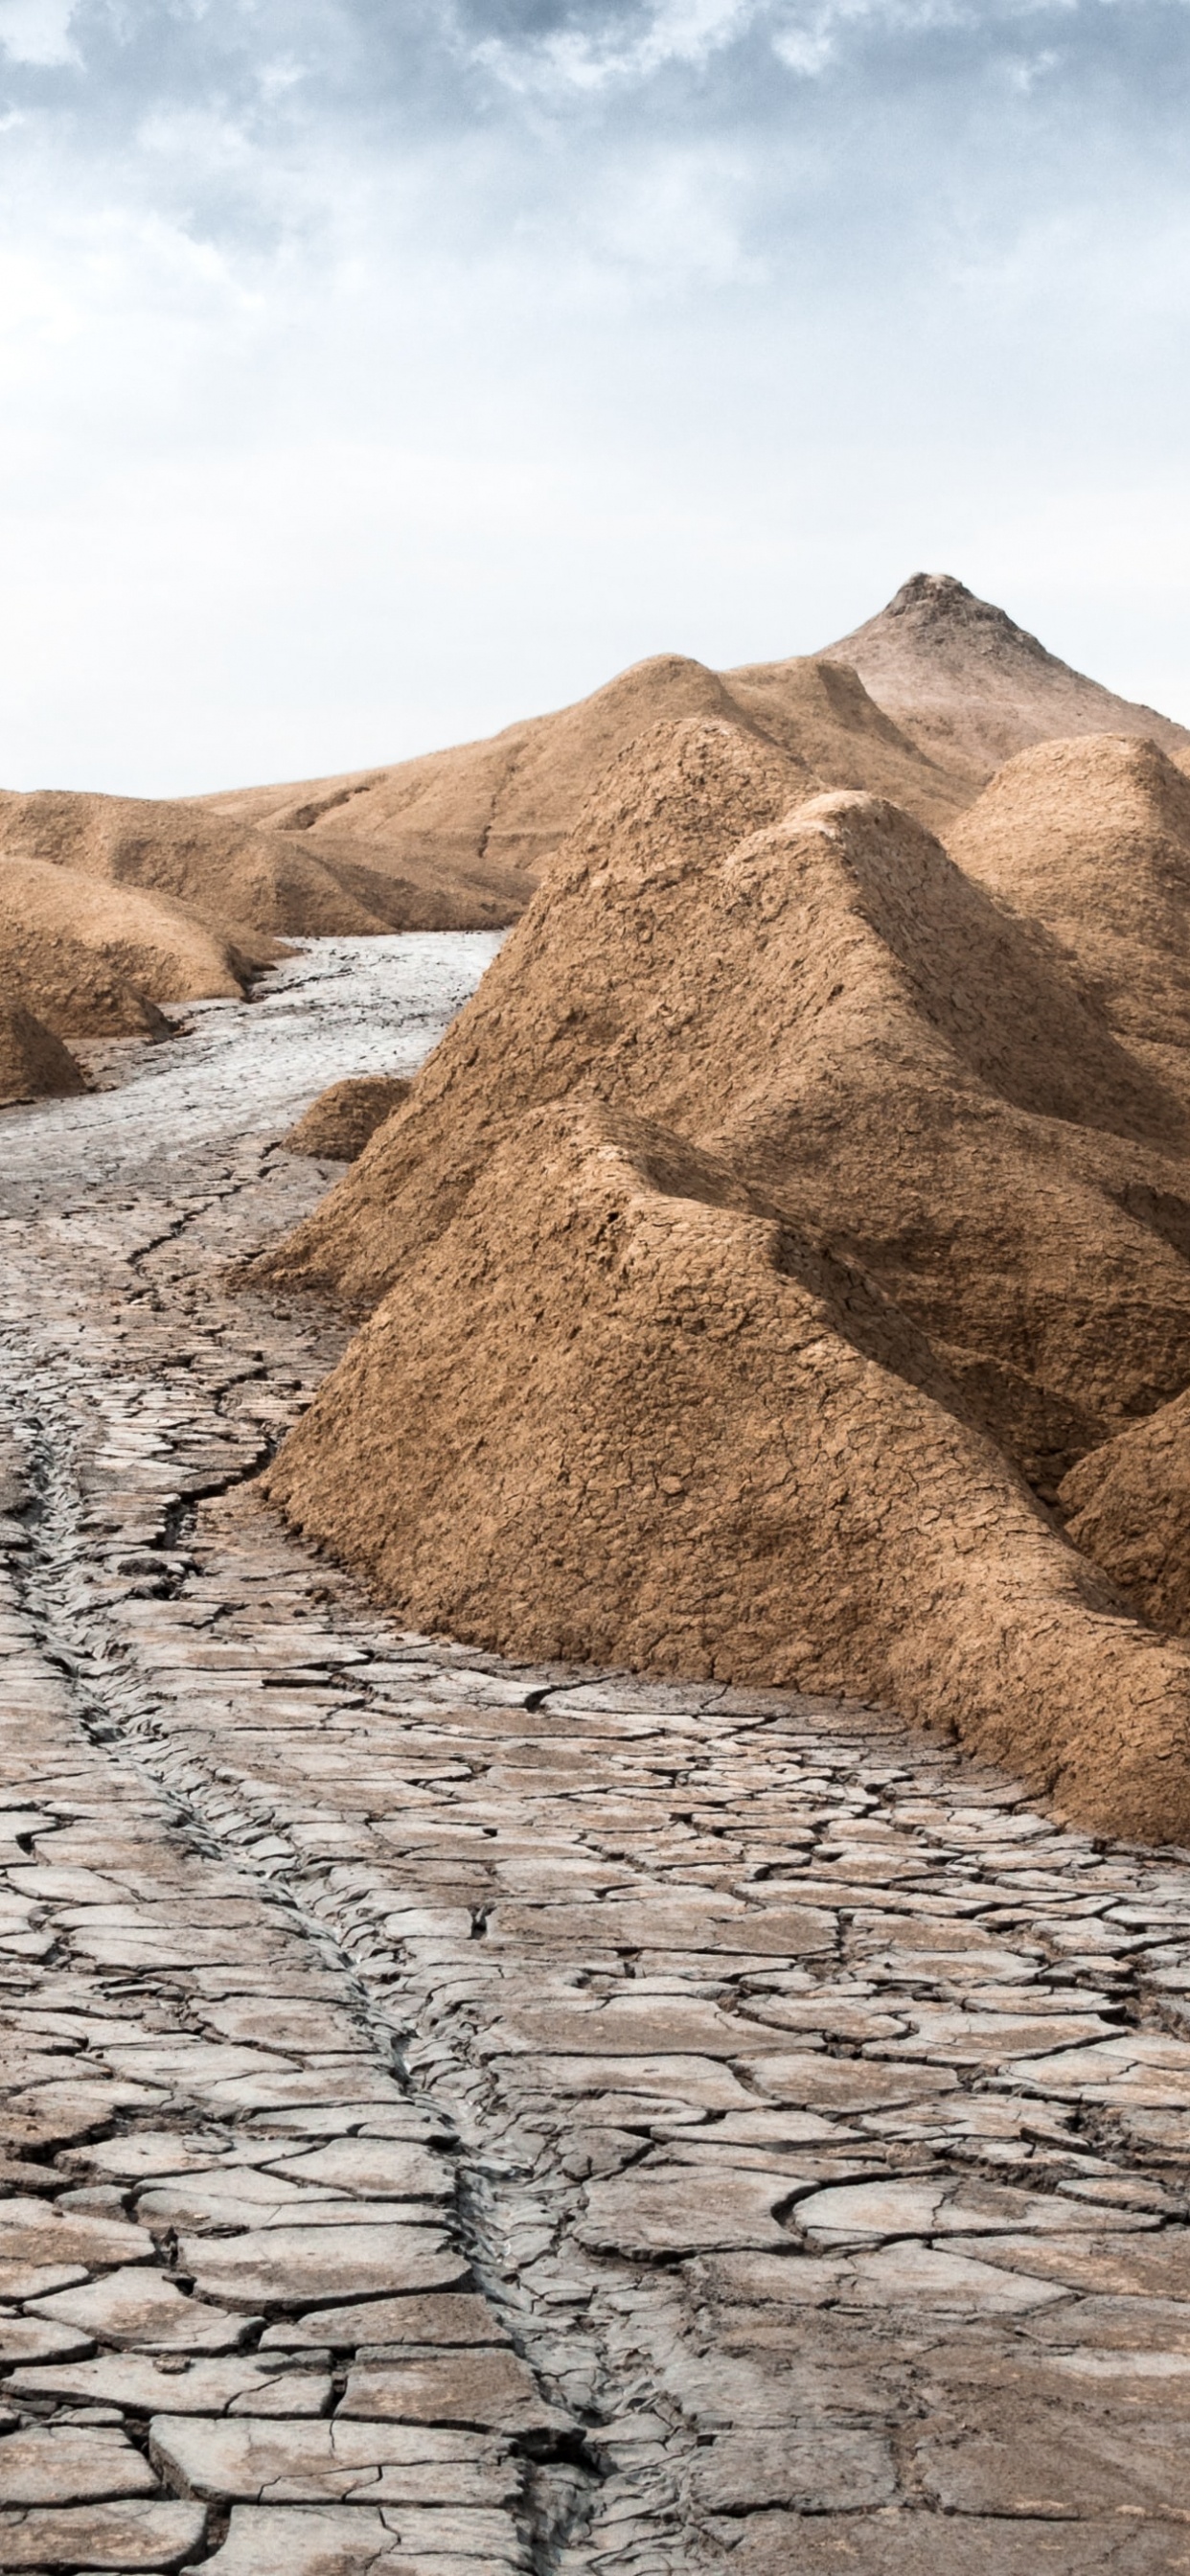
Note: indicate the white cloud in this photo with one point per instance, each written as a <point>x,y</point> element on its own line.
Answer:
<point>37,31</point>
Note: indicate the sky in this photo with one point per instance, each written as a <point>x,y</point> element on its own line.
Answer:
<point>373,373</point>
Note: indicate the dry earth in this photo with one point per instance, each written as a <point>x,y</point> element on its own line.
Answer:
<point>970,688</point>
<point>463,2116</point>
<point>782,1222</point>
<point>345,1116</point>
<point>919,706</point>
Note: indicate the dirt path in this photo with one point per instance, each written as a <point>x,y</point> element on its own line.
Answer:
<point>464,2117</point>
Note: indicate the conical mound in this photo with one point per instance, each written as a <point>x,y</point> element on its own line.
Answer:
<point>1092,838</point>
<point>755,1227</point>
<point>971,687</point>
<point>344,1118</point>
<point>34,1064</point>
<point>613,1414</point>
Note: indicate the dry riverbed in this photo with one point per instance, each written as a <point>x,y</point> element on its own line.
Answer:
<point>461,2117</point>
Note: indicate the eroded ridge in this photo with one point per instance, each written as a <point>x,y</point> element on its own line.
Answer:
<point>462,2116</point>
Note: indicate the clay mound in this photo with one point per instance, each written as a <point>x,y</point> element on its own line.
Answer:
<point>820,712</point>
<point>34,1064</point>
<point>971,688</point>
<point>1129,1507</point>
<point>95,960</point>
<point>1092,838</point>
<point>344,1118</point>
<point>495,812</point>
<point>760,1220</point>
<point>558,1006</point>
<point>250,887</point>
<point>617,1411</point>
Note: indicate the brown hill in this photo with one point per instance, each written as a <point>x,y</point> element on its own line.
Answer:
<point>1129,1507</point>
<point>749,1240</point>
<point>1092,838</point>
<point>34,1064</point>
<point>95,960</point>
<point>345,1117</point>
<point>247,885</point>
<point>492,813</point>
<point>919,705</point>
<point>971,688</point>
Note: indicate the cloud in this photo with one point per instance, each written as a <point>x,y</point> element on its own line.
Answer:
<point>36,31</point>
<point>373,374</point>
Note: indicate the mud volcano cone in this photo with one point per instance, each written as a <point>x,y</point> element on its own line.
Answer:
<point>752,1261</point>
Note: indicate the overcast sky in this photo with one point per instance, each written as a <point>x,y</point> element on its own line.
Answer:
<point>375,372</point>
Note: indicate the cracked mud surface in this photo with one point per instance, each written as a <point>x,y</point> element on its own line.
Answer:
<point>460,2116</point>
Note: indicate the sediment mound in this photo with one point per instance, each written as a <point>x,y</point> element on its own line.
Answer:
<point>752,1254</point>
<point>1129,1509</point>
<point>344,1118</point>
<point>34,1064</point>
<point>919,705</point>
<point>493,813</point>
<point>251,887</point>
<point>95,960</point>
<point>971,688</point>
<point>1092,838</point>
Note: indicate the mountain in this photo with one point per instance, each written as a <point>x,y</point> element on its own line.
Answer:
<point>971,688</point>
<point>919,705</point>
<point>781,1223</point>
<point>485,819</point>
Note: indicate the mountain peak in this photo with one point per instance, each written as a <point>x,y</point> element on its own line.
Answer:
<point>943,615</point>
<point>965,681</point>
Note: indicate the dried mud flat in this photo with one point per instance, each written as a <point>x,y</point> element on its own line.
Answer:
<point>462,2116</point>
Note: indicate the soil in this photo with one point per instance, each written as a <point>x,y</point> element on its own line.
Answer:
<point>343,1119</point>
<point>778,1227</point>
<point>971,688</point>
<point>95,960</point>
<point>34,1064</point>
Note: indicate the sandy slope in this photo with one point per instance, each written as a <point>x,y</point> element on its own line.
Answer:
<point>751,1254</point>
<point>919,705</point>
<point>971,688</point>
<point>95,960</point>
<point>345,1117</point>
<point>34,1064</point>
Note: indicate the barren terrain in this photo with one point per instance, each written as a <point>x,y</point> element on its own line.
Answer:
<point>787,1217</point>
<point>466,2116</point>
